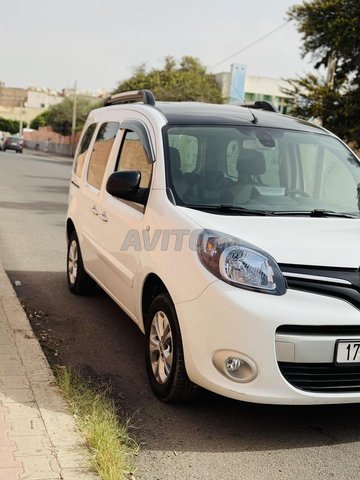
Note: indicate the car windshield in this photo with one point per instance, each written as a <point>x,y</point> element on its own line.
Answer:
<point>257,169</point>
<point>14,139</point>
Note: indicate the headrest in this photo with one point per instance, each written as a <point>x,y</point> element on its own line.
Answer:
<point>251,162</point>
<point>174,160</point>
<point>214,179</point>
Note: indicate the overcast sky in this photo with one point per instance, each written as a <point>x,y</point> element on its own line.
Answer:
<point>99,42</point>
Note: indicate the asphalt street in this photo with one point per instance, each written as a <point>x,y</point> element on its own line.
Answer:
<point>215,438</point>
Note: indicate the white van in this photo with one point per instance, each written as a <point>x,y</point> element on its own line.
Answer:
<point>231,236</point>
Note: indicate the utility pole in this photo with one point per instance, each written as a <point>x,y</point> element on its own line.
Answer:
<point>73,125</point>
<point>21,118</point>
<point>330,72</point>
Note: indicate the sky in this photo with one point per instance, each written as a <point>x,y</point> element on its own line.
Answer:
<point>98,43</point>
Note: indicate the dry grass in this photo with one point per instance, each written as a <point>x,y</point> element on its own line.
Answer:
<point>109,442</point>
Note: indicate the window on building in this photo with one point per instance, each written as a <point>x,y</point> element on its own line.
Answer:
<point>249,97</point>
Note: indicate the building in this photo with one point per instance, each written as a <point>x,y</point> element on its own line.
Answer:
<point>239,87</point>
<point>24,104</point>
<point>11,97</point>
<point>41,97</point>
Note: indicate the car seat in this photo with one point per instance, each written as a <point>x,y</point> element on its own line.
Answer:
<point>250,165</point>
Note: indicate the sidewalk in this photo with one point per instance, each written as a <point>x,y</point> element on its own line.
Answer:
<point>38,436</point>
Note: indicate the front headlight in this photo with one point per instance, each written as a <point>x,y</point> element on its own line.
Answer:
<point>240,263</point>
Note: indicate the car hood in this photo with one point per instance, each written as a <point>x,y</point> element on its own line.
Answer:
<point>325,242</point>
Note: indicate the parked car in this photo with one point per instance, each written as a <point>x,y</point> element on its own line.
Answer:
<point>2,140</point>
<point>14,143</point>
<point>230,235</point>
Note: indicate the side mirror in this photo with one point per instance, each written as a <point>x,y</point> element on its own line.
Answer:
<point>124,184</point>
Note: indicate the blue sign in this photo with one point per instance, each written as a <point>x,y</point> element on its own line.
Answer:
<point>237,83</point>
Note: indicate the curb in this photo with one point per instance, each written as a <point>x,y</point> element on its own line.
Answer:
<point>48,444</point>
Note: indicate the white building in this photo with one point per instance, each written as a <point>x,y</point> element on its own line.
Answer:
<point>43,98</point>
<point>253,88</point>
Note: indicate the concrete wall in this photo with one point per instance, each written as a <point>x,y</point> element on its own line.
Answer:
<point>16,113</point>
<point>12,97</point>
<point>47,140</point>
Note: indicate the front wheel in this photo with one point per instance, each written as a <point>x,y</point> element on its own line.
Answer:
<point>164,354</point>
<point>79,282</point>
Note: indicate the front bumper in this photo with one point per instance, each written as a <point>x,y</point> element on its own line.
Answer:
<point>226,320</point>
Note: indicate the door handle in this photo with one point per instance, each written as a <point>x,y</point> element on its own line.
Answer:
<point>94,210</point>
<point>103,216</point>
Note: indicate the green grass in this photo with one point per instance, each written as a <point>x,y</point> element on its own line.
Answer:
<point>110,446</point>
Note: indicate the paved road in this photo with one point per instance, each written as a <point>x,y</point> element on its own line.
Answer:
<point>216,438</point>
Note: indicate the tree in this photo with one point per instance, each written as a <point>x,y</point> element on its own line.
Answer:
<point>331,35</point>
<point>39,121</point>
<point>330,29</point>
<point>10,126</point>
<point>187,81</point>
<point>59,117</point>
<point>315,100</point>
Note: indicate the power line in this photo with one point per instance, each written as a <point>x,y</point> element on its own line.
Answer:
<point>251,44</point>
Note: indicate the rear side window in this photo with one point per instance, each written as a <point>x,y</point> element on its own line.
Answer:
<point>134,157</point>
<point>188,147</point>
<point>100,154</point>
<point>84,146</point>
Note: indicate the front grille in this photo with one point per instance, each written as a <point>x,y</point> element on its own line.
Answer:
<point>331,330</point>
<point>322,377</point>
<point>349,291</point>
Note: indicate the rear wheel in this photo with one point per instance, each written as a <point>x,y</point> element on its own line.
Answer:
<point>164,353</point>
<point>79,282</point>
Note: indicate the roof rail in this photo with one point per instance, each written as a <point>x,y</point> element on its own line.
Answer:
<point>145,96</point>
<point>261,105</point>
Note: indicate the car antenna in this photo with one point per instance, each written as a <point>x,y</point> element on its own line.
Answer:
<point>255,119</point>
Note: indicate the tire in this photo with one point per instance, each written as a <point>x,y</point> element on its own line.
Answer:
<point>79,282</point>
<point>164,354</point>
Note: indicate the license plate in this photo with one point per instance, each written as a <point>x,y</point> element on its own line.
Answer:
<point>348,351</point>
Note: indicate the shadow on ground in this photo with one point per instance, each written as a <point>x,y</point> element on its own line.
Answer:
<point>93,334</point>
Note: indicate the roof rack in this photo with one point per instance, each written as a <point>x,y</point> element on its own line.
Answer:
<point>261,105</point>
<point>144,96</point>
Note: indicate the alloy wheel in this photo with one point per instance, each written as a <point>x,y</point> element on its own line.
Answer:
<point>73,262</point>
<point>161,347</point>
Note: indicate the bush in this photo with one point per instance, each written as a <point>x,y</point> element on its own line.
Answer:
<point>10,126</point>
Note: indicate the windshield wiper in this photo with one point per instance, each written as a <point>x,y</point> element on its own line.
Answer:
<point>226,208</point>
<point>317,212</point>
